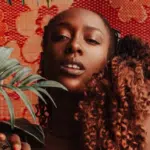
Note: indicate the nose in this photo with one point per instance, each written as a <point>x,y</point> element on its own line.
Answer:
<point>74,47</point>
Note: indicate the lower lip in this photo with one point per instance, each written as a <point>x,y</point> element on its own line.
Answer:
<point>72,71</point>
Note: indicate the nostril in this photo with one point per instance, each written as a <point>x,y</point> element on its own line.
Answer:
<point>79,51</point>
<point>70,50</point>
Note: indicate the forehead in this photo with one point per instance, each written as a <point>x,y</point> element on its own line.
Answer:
<point>80,18</point>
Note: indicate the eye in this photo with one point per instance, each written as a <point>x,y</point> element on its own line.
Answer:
<point>59,38</point>
<point>92,41</point>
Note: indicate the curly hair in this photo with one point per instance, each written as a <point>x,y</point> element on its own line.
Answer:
<point>116,99</point>
<point>113,110</point>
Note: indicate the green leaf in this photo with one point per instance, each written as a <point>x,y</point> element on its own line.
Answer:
<point>20,75</point>
<point>24,99</point>
<point>38,2</point>
<point>8,64</point>
<point>9,2</point>
<point>30,79</point>
<point>10,71</point>
<point>47,3</point>
<point>50,83</point>
<point>25,129</point>
<point>23,2</point>
<point>2,63</point>
<point>40,129</point>
<point>5,52</point>
<point>10,106</point>
<point>47,94</point>
<point>32,89</point>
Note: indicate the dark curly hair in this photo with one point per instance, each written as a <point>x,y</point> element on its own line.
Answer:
<point>113,110</point>
<point>116,99</point>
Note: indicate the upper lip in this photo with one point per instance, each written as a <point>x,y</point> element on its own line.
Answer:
<point>73,62</point>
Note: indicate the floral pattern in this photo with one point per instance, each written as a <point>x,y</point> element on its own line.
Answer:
<point>27,31</point>
<point>3,29</point>
<point>21,27</point>
<point>131,9</point>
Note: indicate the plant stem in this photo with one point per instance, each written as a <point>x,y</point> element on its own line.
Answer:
<point>9,2</point>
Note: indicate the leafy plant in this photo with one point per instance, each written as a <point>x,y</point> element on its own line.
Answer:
<point>23,2</point>
<point>22,81</point>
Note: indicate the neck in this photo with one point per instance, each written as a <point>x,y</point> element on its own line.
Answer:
<point>62,122</point>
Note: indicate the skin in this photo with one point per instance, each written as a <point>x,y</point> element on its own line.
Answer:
<point>76,35</point>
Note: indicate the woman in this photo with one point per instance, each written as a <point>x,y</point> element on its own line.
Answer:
<point>108,83</point>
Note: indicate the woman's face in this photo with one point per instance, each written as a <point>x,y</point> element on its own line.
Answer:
<point>78,44</point>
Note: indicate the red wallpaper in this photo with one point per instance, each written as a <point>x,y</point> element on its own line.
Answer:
<point>21,27</point>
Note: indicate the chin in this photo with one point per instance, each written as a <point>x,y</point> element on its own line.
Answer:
<point>73,85</point>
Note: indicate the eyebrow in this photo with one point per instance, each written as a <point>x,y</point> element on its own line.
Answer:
<point>68,25</point>
<point>94,28</point>
<point>65,24</point>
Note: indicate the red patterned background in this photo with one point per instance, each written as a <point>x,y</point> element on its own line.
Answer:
<point>21,27</point>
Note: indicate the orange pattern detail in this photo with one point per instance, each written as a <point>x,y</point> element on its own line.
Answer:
<point>129,9</point>
<point>3,29</point>
<point>21,27</point>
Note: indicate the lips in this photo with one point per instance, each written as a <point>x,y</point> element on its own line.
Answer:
<point>71,67</point>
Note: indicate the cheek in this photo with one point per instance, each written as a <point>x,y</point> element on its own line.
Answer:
<point>97,61</point>
<point>51,63</point>
<point>58,49</point>
<point>55,52</point>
